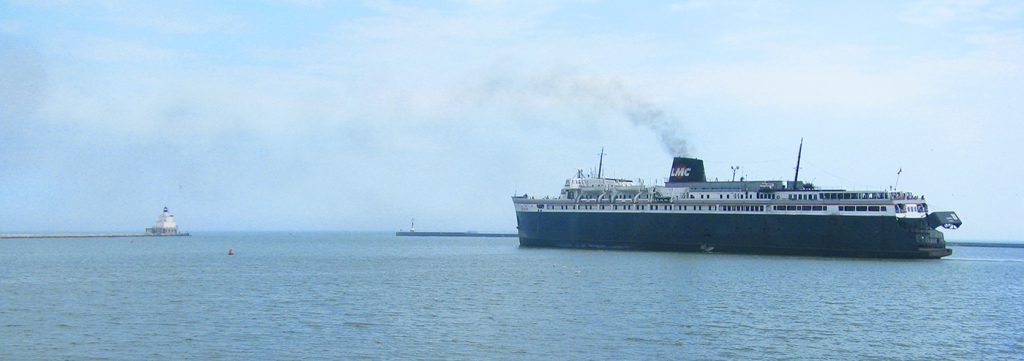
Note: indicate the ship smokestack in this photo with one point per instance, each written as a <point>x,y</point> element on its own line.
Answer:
<point>687,170</point>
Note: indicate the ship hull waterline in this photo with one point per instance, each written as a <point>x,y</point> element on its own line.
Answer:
<point>803,235</point>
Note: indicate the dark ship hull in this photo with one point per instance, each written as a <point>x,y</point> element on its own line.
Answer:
<point>808,235</point>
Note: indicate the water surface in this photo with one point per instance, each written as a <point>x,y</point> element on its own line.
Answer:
<point>376,296</point>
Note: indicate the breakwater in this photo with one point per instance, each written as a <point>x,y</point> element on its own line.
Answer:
<point>454,234</point>
<point>986,244</point>
<point>86,235</point>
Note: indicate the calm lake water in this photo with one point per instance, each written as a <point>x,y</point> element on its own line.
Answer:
<point>376,296</point>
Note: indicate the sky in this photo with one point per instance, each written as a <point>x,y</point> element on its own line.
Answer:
<point>322,115</point>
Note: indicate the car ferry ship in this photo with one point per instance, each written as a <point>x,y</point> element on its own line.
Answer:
<point>689,213</point>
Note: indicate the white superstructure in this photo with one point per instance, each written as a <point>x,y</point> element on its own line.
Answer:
<point>602,195</point>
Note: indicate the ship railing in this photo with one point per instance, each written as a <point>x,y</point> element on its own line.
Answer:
<point>904,196</point>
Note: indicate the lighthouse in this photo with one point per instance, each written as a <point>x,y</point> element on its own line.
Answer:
<point>165,225</point>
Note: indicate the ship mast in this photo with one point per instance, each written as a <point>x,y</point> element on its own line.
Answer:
<point>798,154</point>
<point>600,163</point>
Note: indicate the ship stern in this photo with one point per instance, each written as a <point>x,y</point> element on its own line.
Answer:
<point>930,242</point>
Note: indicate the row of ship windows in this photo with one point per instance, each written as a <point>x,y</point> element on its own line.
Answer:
<point>841,208</point>
<point>800,208</point>
<point>723,208</point>
<point>870,195</point>
<point>644,207</point>
<point>802,197</point>
<point>792,197</point>
<point>697,196</point>
<point>811,196</point>
<point>738,196</point>
<point>862,208</point>
<point>743,208</point>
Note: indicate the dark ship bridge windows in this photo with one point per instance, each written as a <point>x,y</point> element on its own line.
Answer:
<point>912,208</point>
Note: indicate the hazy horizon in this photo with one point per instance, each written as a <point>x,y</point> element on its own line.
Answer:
<point>357,116</point>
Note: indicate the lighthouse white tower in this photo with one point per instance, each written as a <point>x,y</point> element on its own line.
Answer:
<point>165,225</point>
